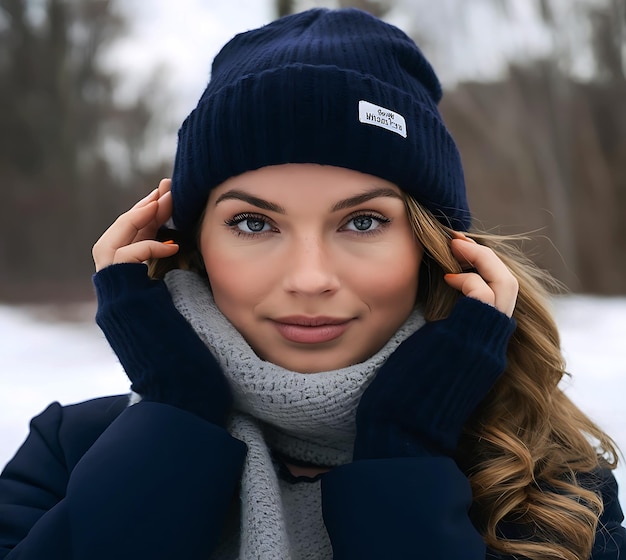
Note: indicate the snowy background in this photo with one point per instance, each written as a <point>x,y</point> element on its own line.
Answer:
<point>46,359</point>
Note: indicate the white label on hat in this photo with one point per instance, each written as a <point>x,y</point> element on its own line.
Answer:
<point>384,118</point>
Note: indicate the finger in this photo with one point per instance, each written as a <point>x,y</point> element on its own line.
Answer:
<point>150,197</point>
<point>144,250</point>
<point>461,235</point>
<point>130,226</point>
<point>165,186</point>
<point>491,269</point>
<point>156,194</point>
<point>471,254</point>
<point>164,211</point>
<point>127,229</point>
<point>472,285</point>
<point>483,259</point>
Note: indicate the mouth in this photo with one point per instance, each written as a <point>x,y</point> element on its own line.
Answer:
<point>311,330</point>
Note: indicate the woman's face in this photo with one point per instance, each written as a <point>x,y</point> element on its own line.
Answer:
<point>316,266</point>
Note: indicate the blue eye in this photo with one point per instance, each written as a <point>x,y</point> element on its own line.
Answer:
<point>249,224</point>
<point>253,225</point>
<point>365,223</point>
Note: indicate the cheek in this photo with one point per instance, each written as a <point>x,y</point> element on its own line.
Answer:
<point>395,278</point>
<point>230,279</point>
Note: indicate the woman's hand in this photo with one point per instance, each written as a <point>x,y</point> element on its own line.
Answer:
<point>162,355</point>
<point>490,282</point>
<point>131,238</point>
<point>427,389</point>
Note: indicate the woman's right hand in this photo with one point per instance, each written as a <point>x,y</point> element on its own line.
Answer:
<point>131,238</point>
<point>162,355</point>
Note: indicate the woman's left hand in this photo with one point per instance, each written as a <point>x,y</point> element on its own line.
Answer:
<point>427,389</point>
<point>490,282</point>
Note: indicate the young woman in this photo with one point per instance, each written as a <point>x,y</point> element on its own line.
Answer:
<point>332,367</point>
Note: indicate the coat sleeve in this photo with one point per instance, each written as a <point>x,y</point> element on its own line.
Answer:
<point>155,484</point>
<point>418,508</point>
<point>400,508</point>
<point>610,542</point>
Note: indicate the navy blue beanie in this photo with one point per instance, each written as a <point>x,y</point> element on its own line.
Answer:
<point>334,87</point>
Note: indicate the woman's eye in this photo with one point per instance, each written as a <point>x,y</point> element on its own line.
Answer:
<point>249,224</point>
<point>365,223</point>
<point>253,225</point>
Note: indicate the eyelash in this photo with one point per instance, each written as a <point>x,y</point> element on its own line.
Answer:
<point>383,222</point>
<point>233,222</point>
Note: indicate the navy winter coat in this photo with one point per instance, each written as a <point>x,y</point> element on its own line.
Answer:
<point>99,480</point>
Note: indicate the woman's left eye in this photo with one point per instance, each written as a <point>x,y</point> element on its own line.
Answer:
<point>253,225</point>
<point>365,223</point>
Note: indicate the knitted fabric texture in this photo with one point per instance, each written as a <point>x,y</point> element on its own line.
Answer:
<point>306,417</point>
<point>334,87</point>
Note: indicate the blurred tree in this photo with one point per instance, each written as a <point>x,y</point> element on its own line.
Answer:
<point>68,151</point>
<point>376,7</point>
<point>544,148</point>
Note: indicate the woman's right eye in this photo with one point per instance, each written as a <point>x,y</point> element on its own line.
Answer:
<point>249,224</point>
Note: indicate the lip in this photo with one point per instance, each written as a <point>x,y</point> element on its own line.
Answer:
<point>311,330</point>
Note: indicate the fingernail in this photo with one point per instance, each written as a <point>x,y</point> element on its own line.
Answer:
<point>169,242</point>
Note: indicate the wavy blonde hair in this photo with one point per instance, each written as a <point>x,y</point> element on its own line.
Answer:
<point>527,444</point>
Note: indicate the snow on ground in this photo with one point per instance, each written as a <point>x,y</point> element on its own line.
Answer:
<point>44,360</point>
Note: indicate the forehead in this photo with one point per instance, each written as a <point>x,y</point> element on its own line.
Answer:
<point>298,182</point>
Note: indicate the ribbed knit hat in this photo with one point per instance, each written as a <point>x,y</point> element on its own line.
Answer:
<point>334,87</point>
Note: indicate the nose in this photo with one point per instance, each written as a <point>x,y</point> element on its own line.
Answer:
<point>310,270</point>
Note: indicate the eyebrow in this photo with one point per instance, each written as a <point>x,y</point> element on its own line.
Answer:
<point>364,197</point>
<point>341,205</point>
<point>254,200</point>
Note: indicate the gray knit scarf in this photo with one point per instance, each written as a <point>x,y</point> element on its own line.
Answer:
<point>307,417</point>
